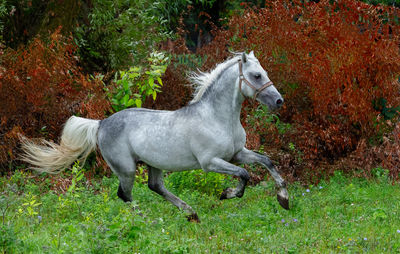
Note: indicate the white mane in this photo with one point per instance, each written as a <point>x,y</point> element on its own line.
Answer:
<point>203,80</point>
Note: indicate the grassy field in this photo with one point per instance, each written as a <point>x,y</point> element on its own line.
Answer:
<point>344,216</point>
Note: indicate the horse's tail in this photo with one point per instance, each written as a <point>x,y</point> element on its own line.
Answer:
<point>78,140</point>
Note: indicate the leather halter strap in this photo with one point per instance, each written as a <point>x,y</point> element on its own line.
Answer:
<point>242,78</point>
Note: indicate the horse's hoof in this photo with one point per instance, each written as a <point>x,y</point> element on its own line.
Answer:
<point>228,193</point>
<point>240,194</point>
<point>284,202</point>
<point>193,218</point>
<point>224,194</point>
<point>121,194</point>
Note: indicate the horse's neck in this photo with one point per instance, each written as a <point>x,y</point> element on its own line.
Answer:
<point>225,98</point>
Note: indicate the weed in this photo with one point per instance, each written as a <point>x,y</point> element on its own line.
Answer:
<point>30,206</point>
<point>209,183</point>
<point>8,239</point>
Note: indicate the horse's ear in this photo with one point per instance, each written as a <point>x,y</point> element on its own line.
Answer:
<point>244,57</point>
<point>252,54</point>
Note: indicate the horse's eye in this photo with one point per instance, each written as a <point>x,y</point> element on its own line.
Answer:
<point>257,76</point>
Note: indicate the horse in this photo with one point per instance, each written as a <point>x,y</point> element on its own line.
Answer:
<point>206,133</point>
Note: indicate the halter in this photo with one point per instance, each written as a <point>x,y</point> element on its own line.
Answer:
<point>242,78</point>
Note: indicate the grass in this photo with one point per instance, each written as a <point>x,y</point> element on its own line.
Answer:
<point>344,215</point>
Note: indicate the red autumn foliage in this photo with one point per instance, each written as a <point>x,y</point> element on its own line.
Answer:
<point>40,88</point>
<point>331,60</point>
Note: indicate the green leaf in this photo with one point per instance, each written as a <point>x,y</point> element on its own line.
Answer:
<point>115,107</point>
<point>154,95</point>
<point>119,95</point>
<point>79,177</point>
<point>159,81</point>
<point>125,99</point>
<point>151,82</point>
<point>130,103</point>
<point>138,103</point>
<point>115,101</point>
<point>125,85</point>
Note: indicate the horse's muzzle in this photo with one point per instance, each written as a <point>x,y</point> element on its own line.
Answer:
<point>279,102</point>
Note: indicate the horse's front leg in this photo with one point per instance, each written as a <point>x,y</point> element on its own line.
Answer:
<point>246,156</point>
<point>220,166</point>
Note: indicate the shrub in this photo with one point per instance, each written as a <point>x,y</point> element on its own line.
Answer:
<point>119,34</point>
<point>332,60</point>
<point>175,92</point>
<point>133,86</point>
<point>40,87</point>
<point>387,2</point>
<point>210,183</point>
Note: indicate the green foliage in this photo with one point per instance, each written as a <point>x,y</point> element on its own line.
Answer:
<point>191,61</point>
<point>387,112</point>
<point>296,152</point>
<point>142,177</point>
<point>386,2</point>
<point>136,84</point>
<point>3,14</point>
<point>77,175</point>
<point>120,33</point>
<point>172,10</point>
<point>344,215</point>
<point>8,239</point>
<point>261,119</point>
<point>210,183</point>
<point>381,174</point>
<point>30,206</point>
<point>122,98</point>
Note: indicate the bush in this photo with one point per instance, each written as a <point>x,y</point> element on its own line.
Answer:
<point>175,92</point>
<point>387,2</point>
<point>40,87</point>
<point>119,34</point>
<point>332,60</point>
<point>133,86</point>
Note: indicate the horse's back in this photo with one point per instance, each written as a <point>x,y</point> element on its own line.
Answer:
<point>157,137</point>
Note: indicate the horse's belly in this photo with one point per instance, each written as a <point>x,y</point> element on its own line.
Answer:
<point>170,161</point>
<point>165,152</point>
<point>169,158</point>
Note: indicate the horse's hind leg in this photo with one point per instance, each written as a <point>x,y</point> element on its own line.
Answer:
<point>156,184</point>
<point>125,186</point>
<point>124,166</point>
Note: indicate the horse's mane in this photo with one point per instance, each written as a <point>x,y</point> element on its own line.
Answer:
<point>203,80</point>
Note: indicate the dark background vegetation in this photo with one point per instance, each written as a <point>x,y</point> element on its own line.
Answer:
<point>337,63</point>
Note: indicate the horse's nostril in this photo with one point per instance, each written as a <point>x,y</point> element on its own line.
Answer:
<point>279,102</point>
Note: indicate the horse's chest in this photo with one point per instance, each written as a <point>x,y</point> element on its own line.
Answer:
<point>232,144</point>
<point>219,140</point>
<point>239,139</point>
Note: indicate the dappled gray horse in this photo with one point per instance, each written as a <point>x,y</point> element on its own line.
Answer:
<point>205,134</point>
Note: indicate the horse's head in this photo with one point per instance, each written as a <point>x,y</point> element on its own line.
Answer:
<point>254,82</point>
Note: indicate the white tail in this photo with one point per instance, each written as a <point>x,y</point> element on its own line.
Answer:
<point>78,140</point>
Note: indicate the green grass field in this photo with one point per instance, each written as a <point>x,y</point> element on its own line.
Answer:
<point>345,216</point>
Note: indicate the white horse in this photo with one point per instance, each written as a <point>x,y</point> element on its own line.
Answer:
<point>205,134</point>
